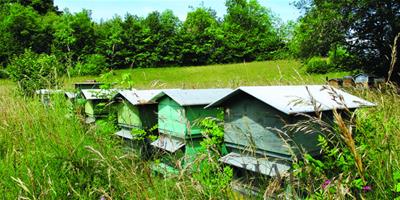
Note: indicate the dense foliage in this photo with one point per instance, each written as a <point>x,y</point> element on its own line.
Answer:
<point>366,29</point>
<point>158,40</point>
<point>34,71</point>
<point>353,34</point>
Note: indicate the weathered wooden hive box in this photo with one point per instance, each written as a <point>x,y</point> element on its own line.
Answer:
<point>97,103</point>
<point>135,110</point>
<point>179,111</point>
<point>255,121</point>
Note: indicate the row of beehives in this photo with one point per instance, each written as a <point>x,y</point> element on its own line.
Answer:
<point>254,120</point>
<point>359,80</point>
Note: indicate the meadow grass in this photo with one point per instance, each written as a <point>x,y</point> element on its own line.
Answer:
<point>47,153</point>
<point>216,76</point>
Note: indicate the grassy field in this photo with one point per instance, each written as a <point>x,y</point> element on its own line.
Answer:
<point>231,75</point>
<point>47,153</point>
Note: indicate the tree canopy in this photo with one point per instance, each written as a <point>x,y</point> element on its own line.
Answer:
<point>355,34</point>
<point>365,28</point>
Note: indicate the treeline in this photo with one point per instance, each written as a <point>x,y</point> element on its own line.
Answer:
<point>246,33</point>
<point>357,34</point>
<point>329,36</point>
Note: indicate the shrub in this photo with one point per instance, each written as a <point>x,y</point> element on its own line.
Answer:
<point>340,59</point>
<point>93,64</point>
<point>34,71</point>
<point>3,73</point>
<point>318,65</point>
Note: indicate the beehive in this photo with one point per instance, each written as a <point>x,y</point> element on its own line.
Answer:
<point>178,114</point>
<point>97,103</point>
<point>135,110</point>
<point>255,117</point>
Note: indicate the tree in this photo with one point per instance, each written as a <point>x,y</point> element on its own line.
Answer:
<point>202,37</point>
<point>249,31</point>
<point>34,71</point>
<point>110,41</point>
<point>74,36</point>
<point>41,6</point>
<point>21,28</point>
<point>323,28</point>
<point>366,28</point>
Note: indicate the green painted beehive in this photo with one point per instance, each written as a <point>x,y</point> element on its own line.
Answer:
<point>256,135</point>
<point>135,110</point>
<point>97,103</point>
<point>179,111</point>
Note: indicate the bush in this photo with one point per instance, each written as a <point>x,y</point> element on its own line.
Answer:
<point>340,59</point>
<point>34,71</point>
<point>93,64</point>
<point>318,65</point>
<point>3,73</point>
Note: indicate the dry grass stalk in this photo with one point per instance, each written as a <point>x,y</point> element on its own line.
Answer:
<point>346,134</point>
<point>394,57</point>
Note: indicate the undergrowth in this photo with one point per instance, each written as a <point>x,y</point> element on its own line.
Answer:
<point>46,153</point>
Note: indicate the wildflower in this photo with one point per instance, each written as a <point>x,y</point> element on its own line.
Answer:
<point>367,188</point>
<point>326,183</point>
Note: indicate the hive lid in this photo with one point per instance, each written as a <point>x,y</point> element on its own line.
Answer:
<point>191,97</point>
<point>259,165</point>
<point>98,94</point>
<point>168,143</point>
<point>138,97</point>
<point>299,99</point>
<point>124,134</point>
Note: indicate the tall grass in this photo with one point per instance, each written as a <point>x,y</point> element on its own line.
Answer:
<point>230,75</point>
<point>46,153</point>
<point>360,153</point>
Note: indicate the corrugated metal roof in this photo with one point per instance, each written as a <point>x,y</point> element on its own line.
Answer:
<point>95,94</point>
<point>299,99</point>
<point>191,97</point>
<point>260,165</point>
<point>137,97</point>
